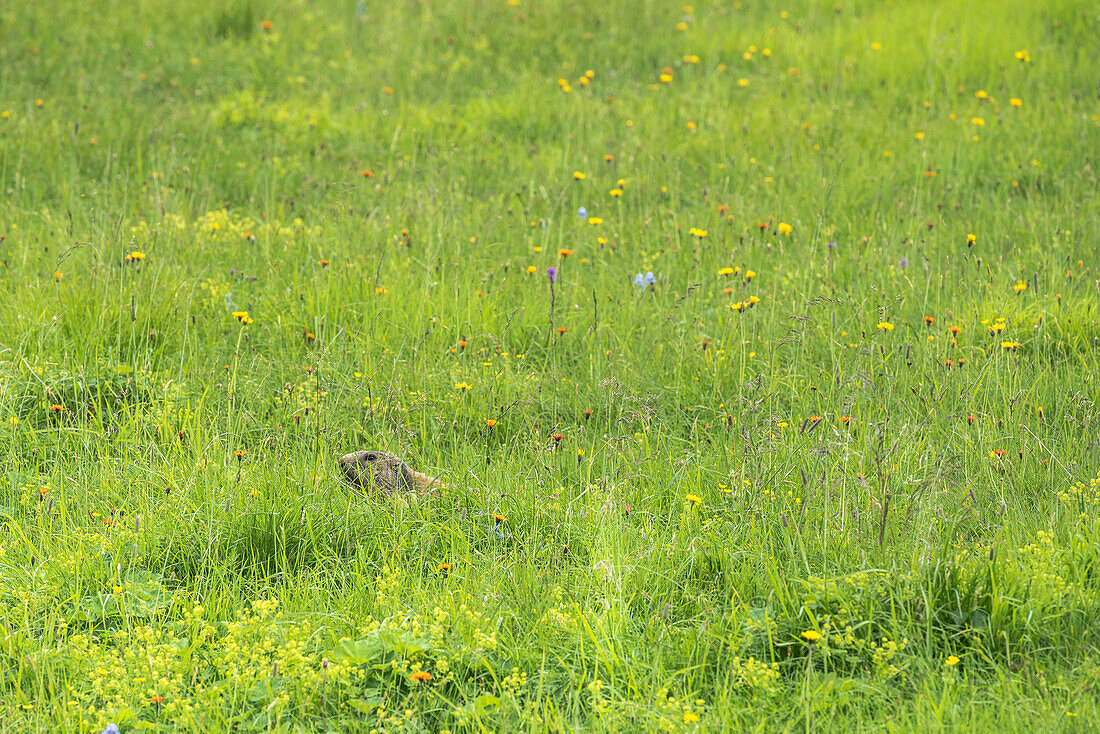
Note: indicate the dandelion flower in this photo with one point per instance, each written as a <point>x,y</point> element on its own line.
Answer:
<point>695,500</point>
<point>462,386</point>
<point>812,635</point>
<point>726,271</point>
<point>951,660</point>
<point>885,326</point>
<point>135,255</point>
<point>579,176</point>
<point>784,229</point>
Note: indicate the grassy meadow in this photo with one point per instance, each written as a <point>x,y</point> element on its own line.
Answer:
<point>755,342</point>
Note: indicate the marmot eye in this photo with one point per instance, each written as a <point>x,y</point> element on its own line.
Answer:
<point>371,456</point>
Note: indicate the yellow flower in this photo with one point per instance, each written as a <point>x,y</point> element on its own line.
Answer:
<point>490,422</point>
<point>690,718</point>
<point>726,271</point>
<point>595,220</point>
<point>886,326</point>
<point>463,386</point>
<point>784,228</point>
<point>951,660</point>
<point>665,78</point>
<point>1016,102</point>
<point>977,121</point>
<point>616,192</point>
<point>1023,56</point>
<point>135,255</point>
<point>812,635</point>
<point>579,176</point>
<point>694,499</point>
<point>1020,286</point>
<point>742,82</point>
<point>971,239</point>
<point>750,274</point>
<point>696,232</point>
<point>530,269</point>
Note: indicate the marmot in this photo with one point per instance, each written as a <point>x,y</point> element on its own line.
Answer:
<point>380,472</point>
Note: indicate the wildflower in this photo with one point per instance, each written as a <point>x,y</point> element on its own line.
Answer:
<point>978,121</point>
<point>753,300</point>
<point>1013,346</point>
<point>929,320</point>
<point>695,500</point>
<point>904,262</point>
<point>558,437</point>
<point>588,413</point>
<point>608,158</point>
<point>616,192</point>
<point>420,676</point>
<point>582,213</point>
<point>812,635</point>
<point>562,329</point>
<point>57,408</point>
<point>742,82</point>
<point>845,419</point>
<point>135,255</point>
<point>239,454</point>
<point>696,232</point>
<point>490,423</point>
<point>443,568</point>
<point>595,220</point>
<point>665,78</point>
<point>156,700</point>
<point>366,173</point>
<point>462,386</point>
<point>564,252</point>
<point>579,176</point>
<point>649,279</point>
<point>885,326</point>
<point>784,229</point>
<point>749,275</point>
<point>497,517</point>
<point>951,660</point>
<point>954,329</point>
<point>1016,102</point>
<point>1020,287</point>
<point>726,271</point>
<point>690,718</point>
<point>1023,56</point>
<point>552,273</point>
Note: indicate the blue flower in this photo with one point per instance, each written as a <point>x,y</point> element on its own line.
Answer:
<point>642,281</point>
<point>582,213</point>
<point>111,729</point>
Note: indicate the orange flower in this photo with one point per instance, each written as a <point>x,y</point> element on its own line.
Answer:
<point>267,25</point>
<point>562,330</point>
<point>57,408</point>
<point>420,676</point>
<point>929,320</point>
<point>564,252</point>
<point>558,436</point>
<point>498,517</point>
<point>490,423</point>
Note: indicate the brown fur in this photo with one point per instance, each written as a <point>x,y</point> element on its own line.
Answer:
<point>380,473</point>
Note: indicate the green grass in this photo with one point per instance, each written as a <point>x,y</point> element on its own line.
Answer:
<point>382,187</point>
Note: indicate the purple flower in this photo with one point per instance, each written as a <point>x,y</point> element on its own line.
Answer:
<point>111,729</point>
<point>832,245</point>
<point>904,263</point>
<point>552,273</point>
<point>582,213</point>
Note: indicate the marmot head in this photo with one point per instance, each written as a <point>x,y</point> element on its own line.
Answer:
<point>381,472</point>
